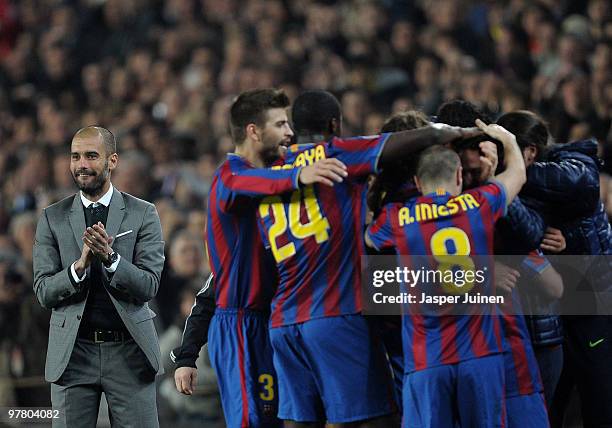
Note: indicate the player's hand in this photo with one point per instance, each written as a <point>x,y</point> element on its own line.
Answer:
<point>96,238</point>
<point>326,171</point>
<point>554,241</point>
<point>185,379</point>
<point>505,278</point>
<point>488,160</point>
<point>496,131</point>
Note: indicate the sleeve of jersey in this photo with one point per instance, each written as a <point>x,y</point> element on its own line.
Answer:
<point>361,155</point>
<point>380,231</point>
<point>235,185</point>
<point>495,194</point>
<point>195,333</point>
<point>536,262</point>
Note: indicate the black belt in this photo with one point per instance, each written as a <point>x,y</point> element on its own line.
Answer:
<point>100,336</point>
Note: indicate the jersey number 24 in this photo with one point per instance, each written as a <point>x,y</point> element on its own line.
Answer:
<point>287,216</point>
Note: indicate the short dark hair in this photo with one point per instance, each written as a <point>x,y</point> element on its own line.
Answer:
<point>437,164</point>
<point>528,128</point>
<point>313,111</point>
<point>405,120</point>
<point>251,107</point>
<point>461,113</point>
<point>464,113</point>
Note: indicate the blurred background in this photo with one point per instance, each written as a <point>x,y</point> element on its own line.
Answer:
<point>162,74</point>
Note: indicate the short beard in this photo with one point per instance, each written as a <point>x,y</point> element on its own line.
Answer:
<point>269,158</point>
<point>94,189</point>
<point>271,155</point>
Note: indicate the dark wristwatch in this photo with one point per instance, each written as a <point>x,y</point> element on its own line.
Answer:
<point>112,258</point>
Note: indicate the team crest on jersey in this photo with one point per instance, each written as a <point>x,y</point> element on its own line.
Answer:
<point>268,410</point>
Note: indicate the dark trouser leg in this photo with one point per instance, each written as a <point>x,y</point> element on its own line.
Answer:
<point>550,362</point>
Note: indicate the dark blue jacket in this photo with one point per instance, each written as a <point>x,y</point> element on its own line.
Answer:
<point>521,229</point>
<point>565,189</point>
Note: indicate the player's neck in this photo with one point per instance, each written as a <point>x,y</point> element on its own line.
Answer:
<point>439,189</point>
<point>248,153</point>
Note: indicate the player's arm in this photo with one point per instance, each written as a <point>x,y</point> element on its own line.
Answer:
<point>402,144</point>
<point>368,241</point>
<point>545,276</point>
<point>379,234</point>
<point>551,282</point>
<point>262,182</point>
<point>195,335</point>
<point>514,175</point>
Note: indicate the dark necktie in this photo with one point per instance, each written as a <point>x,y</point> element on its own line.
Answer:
<point>95,213</point>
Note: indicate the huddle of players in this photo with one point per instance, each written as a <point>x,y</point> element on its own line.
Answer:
<point>285,235</point>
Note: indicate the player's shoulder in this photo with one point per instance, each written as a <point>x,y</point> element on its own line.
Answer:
<point>391,207</point>
<point>413,200</point>
<point>221,166</point>
<point>305,153</point>
<point>231,164</point>
<point>490,188</point>
<point>299,147</point>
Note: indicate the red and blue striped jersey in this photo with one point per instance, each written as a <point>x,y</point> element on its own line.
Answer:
<point>245,275</point>
<point>316,233</point>
<point>521,366</point>
<point>439,224</point>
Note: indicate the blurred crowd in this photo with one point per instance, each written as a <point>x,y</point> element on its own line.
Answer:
<point>162,74</point>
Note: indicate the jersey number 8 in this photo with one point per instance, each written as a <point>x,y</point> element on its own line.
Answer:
<point>451,249</point>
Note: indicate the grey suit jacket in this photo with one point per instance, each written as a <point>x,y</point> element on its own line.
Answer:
<point>58,244</point>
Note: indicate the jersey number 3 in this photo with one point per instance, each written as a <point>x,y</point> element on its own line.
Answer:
<point>317,225</point>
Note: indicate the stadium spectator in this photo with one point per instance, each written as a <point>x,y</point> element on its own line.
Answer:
<point>184,268</point>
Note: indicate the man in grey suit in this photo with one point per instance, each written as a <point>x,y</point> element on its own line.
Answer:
<point>98,257</point>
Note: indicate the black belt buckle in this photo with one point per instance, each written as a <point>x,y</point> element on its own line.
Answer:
<point>99,336</point>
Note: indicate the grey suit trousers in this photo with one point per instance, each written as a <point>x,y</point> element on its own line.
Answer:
<point>121,371</point>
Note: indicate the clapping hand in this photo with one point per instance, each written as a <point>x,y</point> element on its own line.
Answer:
<point>96,238</point>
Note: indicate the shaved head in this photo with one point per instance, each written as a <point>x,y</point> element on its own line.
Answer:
<point>437,165</point>
<point>107,137</point>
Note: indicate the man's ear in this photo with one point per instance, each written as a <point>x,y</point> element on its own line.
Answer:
<point>459,177</point>
<point>112,161</point>
<point>335,127</point>
<point>251,132</point>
